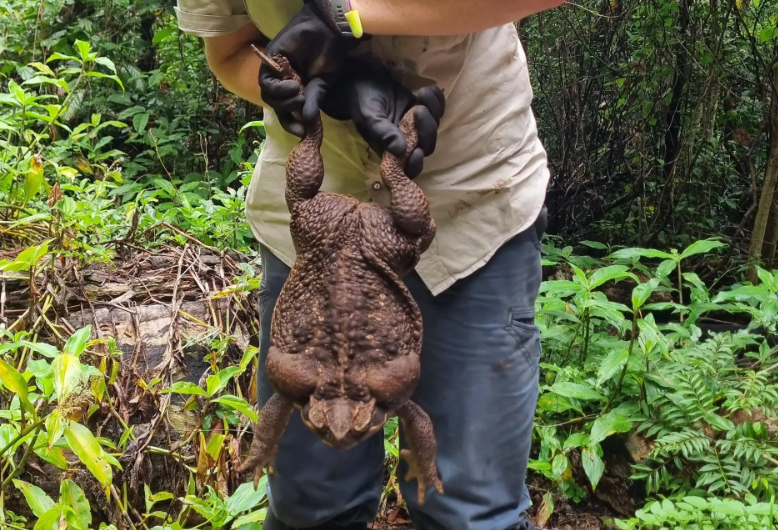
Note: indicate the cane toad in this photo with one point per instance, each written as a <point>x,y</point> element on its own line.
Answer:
<point>346,333</point>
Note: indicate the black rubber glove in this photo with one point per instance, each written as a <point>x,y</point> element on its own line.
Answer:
<point>376,102</point>
<point>316,50</point>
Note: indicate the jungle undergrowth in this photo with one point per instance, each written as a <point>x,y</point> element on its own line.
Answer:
<point>639,365</point>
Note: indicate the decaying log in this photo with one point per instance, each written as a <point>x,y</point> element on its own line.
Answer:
<point>160,310</point>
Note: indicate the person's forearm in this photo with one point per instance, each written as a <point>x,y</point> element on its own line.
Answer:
<point>443,17</point>
<point>234,64</point>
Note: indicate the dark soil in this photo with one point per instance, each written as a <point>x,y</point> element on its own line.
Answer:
<point>588,515</point>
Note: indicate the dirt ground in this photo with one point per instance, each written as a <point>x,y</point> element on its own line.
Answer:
<point>565,517</point>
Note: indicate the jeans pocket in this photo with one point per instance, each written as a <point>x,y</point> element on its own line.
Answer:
<point>521,325</point>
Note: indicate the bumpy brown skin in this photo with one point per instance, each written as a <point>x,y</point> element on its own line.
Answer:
<point>346,333</point>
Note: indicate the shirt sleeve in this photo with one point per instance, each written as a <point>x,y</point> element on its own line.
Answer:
<point>211,18</point>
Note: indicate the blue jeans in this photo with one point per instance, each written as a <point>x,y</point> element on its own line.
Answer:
<point>479,385</point>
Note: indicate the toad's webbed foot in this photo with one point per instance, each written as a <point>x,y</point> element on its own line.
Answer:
<point>420,454</point>
<point>273,420</point>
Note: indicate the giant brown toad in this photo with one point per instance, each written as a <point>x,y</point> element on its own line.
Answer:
<point>346,333</point>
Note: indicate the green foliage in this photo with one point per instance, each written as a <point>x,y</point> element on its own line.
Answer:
<point>114,134</point>
<point>696,513</point>
<point>609,370</point>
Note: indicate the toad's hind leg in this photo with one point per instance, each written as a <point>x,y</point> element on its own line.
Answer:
<point>420,454</point>
<point>273,419</point>
<point>408,204</point>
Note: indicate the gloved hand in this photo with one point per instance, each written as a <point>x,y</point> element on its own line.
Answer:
<point>370,97</point>
<point>316,50</point>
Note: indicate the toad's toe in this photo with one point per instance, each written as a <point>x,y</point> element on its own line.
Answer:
<point>425,475</point>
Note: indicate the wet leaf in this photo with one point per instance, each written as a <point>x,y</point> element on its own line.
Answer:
<point>576,391</point>
<point>67,372</point>
<point>70,494</point>
<point>76,343</point>
<point>701,247</point>
<point>50,519</point>
<point>593,466</point>
<point>14,381</point>
<point>608,424</point>
<point>36,498</point>
<point>83,443</point>
<point>245,498</point>
<point>239,404</point>
<point>33,179</point>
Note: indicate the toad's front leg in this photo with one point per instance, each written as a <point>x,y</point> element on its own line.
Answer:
<point>273,419</point>
<point>420,454</point>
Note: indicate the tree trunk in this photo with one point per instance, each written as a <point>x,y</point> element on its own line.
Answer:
<point>758,241</point>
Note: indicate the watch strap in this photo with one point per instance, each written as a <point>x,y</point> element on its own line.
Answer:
<point>347,19</point>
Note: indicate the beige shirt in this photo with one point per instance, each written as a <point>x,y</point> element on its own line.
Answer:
<point>487,179</point>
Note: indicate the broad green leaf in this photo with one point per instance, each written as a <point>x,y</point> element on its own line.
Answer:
<point>665,268</point>
<point>153,498</point>
<point>612,364</point>
<point>55,426</point>
<point>139,121</point>
<point>105,61</point>
<point>83,443</point>
<point>27,258</point>
<point>701,247</point>
<point>50,519</point>
<point>33,179</point>
<point>56,56</point>
<point>83,48</point>
<point>214,446</point>
<point>162,34</point>
<point>580,275</point>
<point>245,498</point>
<point>594,244</point>
<point>53,456</point>
<point>697,502</point>
<point>608,424</point>
<point>239,404</point>
<point>551,402</point>
<point>577,439</point>
<point>67,373</point>
<point>186,388</point>
<point>36,498</point>
<point>165,185</point>
<point>642,292</point>
<point>606,274</point>
<point>43,68</point>
<point>742,293</point>
<point>44,375</point>
<point>575,391</point>
<point>77,341</point>
<point>14,381</point>
<point>70,494</point>
<point>730,507</point>
<point>767,278</point>
<point>768,34</point>
<point>560,288</point>
<point>559,465</point>
<point>47,350</point>
<point>629,253</point>
<point>217,382</point>
<point>248,356</point>
<point>250,520</point>
<point>593,466</point>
